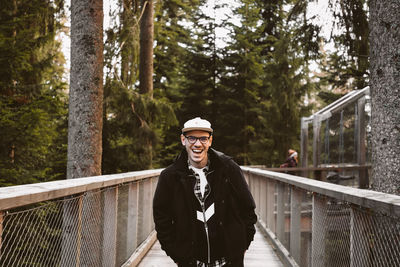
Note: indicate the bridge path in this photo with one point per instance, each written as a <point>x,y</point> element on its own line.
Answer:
<point>260,254</point>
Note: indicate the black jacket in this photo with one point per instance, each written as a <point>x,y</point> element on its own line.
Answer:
<point>175,213</point>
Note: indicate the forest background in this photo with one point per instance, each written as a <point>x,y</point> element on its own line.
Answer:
<point>254,90</point>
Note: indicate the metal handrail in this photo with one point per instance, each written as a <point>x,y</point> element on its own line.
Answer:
<point>315,223</point>
<point>92,221</point>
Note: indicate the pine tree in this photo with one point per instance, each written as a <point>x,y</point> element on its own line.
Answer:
<point>201,69</point>
<point>32,101</point>
<point>133,122</point>
<point>173,39</point>
<point>267,79</point>
<point>241,84</point>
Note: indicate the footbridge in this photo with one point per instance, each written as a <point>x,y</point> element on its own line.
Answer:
<point>107,221</point>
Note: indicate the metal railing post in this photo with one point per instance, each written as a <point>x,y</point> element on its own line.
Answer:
<point>131,229</point>
<point>256,192</point>
<point>147,205</point>
<point>316,145</point>
<point>361,139</point>
<point>271,205</point>
<point>280,213</point>
<point>304,146</point>
<point>295,223</point>
<point>154,181</point>
<point>263,199</point>
<point>110,214</point>
<point>141,235</point>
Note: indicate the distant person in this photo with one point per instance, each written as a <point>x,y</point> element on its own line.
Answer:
<point>203,209</point>
<point>291,160</point>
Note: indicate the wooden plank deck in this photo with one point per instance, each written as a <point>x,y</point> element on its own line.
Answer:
<point>260,254</point>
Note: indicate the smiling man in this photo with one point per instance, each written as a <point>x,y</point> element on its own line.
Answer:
<point>203,210</point>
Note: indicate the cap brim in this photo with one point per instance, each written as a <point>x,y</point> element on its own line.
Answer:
<point>185,130</point>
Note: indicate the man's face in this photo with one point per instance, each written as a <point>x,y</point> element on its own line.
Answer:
<point>197,144</point>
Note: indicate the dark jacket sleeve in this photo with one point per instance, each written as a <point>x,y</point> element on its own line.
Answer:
<point>163,214</point>
<point>246,204</point>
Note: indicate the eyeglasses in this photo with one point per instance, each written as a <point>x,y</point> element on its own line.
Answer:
<point>193,139</point>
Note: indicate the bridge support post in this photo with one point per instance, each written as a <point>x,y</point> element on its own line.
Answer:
<point>304,146</point>
<point>131,231</point>
<point>295,223</point>
<point>263,198</point>
<point>361,139</point>
<point>144,211</point>
<point>126,222</point>
<point>110,208</point>
<point>316,145</point>
<point>271,205</point>
<point>280,213</point>
<point>256,192</point>
<point>154,181</point>
<point>319,217</point>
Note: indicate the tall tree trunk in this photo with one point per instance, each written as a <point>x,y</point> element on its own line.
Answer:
<point>146,60</point>
<point>385,94</point>
<point>86,89</point>
<point>81,228</point>
<point>128,40</point>
<point>146,48</point>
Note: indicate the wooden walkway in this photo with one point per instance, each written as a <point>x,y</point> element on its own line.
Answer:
<point>260,254</point>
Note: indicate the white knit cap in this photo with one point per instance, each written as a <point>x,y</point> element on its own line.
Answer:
<point>197,124</point>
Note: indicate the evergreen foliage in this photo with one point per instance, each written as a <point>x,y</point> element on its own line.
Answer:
<point>134,124</point>
<point>252,90</point>
<point>347,66</point>
<point>32,101</point>
<point>199,70</point>
<point>132,118</point>
<point>267,78</point>
<point>173,56</point>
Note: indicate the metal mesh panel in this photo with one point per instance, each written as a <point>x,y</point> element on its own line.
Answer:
<point>319,230</point>
<point>337,239</point>
<point>90,229</point>
<point>38,236</point>
<point>376,238</point>
<point>354,236</point>
<point>306,215</point>
<point>32,237</point>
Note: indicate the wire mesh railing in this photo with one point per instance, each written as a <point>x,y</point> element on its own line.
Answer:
<point>96,221</point>
<point>314,223</point>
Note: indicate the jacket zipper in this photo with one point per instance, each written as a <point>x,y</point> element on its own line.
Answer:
<point>205,224</point>
<point>208,238</point>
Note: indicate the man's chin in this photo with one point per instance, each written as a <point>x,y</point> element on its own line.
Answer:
<point>196,159</point>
